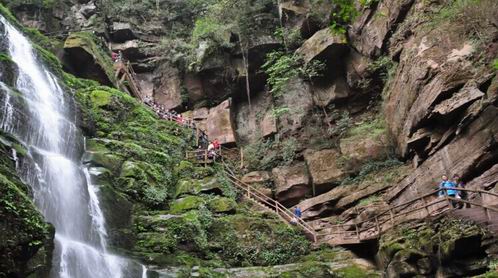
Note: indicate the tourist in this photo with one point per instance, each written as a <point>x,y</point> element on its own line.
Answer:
<point>462,194</point>
<point>448,189</point>
<point>114,56</point>
<point>297,215</point>
<point>216,144</point>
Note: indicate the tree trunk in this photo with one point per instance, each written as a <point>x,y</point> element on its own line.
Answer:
<point>245,53</point>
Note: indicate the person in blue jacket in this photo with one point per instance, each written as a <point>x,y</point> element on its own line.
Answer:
<point>297,215</point>
<point>449,189</point>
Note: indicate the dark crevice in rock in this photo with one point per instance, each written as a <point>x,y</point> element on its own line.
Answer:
<point>403,12</point>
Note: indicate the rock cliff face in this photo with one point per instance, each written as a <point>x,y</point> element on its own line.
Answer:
<point>378,99</point>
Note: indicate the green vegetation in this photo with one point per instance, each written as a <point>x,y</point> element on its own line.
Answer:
<point>495,64</point>
<point>91,44</point>
<point>370,128</point>
<point>368,3</point>
<point>282,67</point>
<point>4,57</point>
<point>344,14</point>
<point>342,124</point>
<point>466,17</point>
<point>25,236</point>
<point>266,154</point>
<point>369,169</point>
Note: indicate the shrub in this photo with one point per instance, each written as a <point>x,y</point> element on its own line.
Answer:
<point>281,67</point>
<point>155,196</point>
<point>342,124</point>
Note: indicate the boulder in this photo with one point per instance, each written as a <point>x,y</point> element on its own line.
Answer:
<point>122,31</point>
<point>167,89</point>
<point>298,99</point>
<point>256,123</point>
<point>292,183</point>
<point>336,90</point>
<point>209,185</point>
<point>359,150</point>
<point>132,50</point>
<point>193,84</point>
<point>219,123</point>
<point>372,30</point>
<point>259,180</point>
<point>323,45</point>
<point>325,169</point>
<point>187,203</point>
<point>85,57</point>
<point>222,205</point>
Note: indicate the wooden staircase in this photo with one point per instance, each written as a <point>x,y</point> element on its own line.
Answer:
<point>124,72</point>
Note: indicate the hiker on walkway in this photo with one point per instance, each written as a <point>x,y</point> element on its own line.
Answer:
<point>448,189</point>
<point>457,180</point>
<point>216,144</point>
<point>114,56</point>
<point>297,215</point>
<point>120,56</point>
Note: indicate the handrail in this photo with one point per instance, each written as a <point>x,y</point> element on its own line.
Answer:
<point>392,217</point>
<point>274,204</point>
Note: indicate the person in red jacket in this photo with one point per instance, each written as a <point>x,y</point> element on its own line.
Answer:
<point>216,144</point>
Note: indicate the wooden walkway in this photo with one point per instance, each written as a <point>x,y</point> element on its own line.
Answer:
<point>427,206</point>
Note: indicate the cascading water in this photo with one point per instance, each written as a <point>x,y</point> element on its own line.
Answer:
<point>43,118</point>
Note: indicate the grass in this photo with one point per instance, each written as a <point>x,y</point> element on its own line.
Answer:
<point>372,128</point>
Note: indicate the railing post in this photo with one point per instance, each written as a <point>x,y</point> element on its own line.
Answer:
<point>249,192</point>
<point>276,206</point>
<point>426,206</point>
<point>448,201</point>
<point>205,158</point>
<point>377,225</point>
<point>241,158</point>
<point>391,214</point>
<point>486,211</point>
<point>357,231</point>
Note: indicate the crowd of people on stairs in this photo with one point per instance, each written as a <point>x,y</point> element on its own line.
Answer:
<point>450,189</point>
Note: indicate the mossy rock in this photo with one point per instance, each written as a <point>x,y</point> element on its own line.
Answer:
<point>8,69</point>
<point>193,187</point>
<point>187,170</point>
<point>222,205</point>
<point>26,240</point>
<point>107,160</point>
<point>87,58</point>
<point>186,203</point>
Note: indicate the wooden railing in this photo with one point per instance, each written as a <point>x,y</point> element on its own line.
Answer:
<point>394,215</point>
<point>269,203</point>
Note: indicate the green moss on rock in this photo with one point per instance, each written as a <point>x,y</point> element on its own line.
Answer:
<point>79,42</point>
<point>187,203</point>
<point>26,239</point>
<point>222,205</point>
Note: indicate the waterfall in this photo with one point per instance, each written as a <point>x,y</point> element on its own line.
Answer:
<point>41,115</point>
